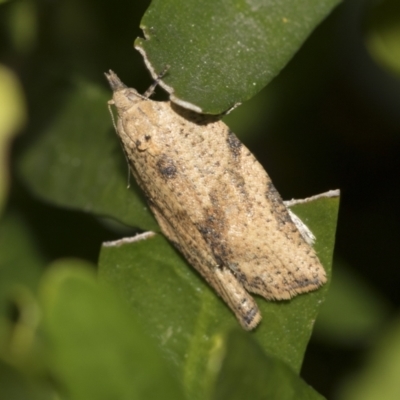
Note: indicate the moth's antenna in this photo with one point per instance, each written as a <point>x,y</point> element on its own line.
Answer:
<point>109,103</point>
<point>150,90</point>
<point>120,141</point>
<point>127,163</point>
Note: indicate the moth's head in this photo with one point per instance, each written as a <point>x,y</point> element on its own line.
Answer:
<point>123,98</point>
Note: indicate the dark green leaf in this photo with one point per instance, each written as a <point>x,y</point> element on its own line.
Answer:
<point>287,325</point>
<point>173,303</point>
<point>248,373</point>
<point>187,318</point>
<point>78,162</point>
<point>222,52</point>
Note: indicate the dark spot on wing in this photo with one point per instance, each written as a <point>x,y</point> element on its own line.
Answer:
<point>272,194</point>
<point>248,318</point>
<point>167,167</point>
<point>212,228</point>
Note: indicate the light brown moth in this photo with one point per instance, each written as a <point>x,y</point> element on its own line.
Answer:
<point>215,202</point>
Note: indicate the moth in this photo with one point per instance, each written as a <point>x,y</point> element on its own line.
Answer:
<point>215,202</point>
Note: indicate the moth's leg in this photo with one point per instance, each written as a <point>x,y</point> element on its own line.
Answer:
<point>304,230</point>
<point>237,298</point>
<point>151,89</point>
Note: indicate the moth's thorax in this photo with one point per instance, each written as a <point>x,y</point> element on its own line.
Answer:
<point>125,99</point>
<point>138,127</point>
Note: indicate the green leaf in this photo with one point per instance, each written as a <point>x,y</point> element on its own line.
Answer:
<point>187,319</point>
<point>260,375</point>
<point>96,350</point>
<point>172,302</point>
<point>78,162</point>
<point>222,52</point>
<point>288,325</point>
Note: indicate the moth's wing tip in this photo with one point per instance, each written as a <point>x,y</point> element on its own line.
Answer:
<point>288,291</point>
<point>307,286</point>
<point>114,81</point>
<point>249,323</point>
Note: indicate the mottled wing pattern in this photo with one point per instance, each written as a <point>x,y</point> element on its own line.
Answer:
<point>263,246</point>
<point>235,207</point>
<point>172,213</point>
